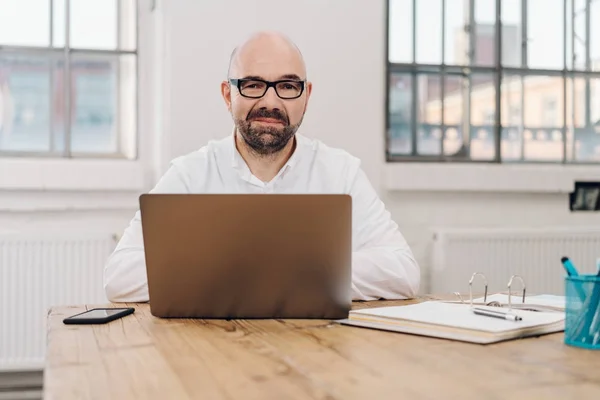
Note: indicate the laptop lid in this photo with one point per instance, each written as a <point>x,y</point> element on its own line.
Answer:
<point>248,255</point>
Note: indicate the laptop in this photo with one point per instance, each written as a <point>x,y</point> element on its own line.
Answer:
<point>232,256</point>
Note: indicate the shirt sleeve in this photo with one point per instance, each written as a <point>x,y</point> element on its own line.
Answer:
<point>383,265</point>
<point>125,278</point>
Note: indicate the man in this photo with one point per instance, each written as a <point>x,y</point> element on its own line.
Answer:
<point>267,95</point>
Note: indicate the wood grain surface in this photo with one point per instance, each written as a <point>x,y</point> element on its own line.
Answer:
<point>143,357</point>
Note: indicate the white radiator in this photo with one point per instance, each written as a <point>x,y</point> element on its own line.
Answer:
<point>533,254</point>
<point>38,272</point>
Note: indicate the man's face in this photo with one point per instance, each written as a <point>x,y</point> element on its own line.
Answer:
<point>267,122</point>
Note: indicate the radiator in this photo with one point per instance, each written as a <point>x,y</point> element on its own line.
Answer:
<point>534,254</point>
<point>38,272</point>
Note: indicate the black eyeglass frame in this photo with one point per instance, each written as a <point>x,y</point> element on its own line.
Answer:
<point>237,82</point>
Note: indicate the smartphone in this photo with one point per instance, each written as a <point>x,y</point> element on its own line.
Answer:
<point>98,316</point>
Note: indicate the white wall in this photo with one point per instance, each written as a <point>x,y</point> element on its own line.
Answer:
<point>420,212</point>
<point>343,43</point>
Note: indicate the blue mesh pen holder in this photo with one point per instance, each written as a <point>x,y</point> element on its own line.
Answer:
<point>582,314</point>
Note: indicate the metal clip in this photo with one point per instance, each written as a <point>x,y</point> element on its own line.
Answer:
<point>457,294</point>
<point>471,288</point>
<point>510,293</point>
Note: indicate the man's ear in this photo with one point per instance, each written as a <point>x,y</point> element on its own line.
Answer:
<point>308,93</point>
<point>226,93</point>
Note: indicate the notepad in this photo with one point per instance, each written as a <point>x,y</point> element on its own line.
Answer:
<point>455,322</point>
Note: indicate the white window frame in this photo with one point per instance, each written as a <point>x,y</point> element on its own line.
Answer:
<point>504,178</point>
<point>40,178</point>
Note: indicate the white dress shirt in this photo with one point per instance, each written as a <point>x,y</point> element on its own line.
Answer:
<point>383,265</point>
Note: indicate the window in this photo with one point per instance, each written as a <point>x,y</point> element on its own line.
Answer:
<point>494,81</point>
<point>68,78</point>
<point>549,111</point>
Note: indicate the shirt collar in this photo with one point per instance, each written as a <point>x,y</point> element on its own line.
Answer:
<point>236,157</point>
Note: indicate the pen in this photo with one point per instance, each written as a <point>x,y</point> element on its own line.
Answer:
<point>587,322</point>
<point>595,325</point>
<point>497,314</point>
<point>572,271</point>
<point>591,324</point>
<point>569,267</point>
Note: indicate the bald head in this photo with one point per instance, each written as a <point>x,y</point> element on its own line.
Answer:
<point>264,47</point>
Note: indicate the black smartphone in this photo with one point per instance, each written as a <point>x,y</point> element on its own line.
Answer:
<point>98,316</point>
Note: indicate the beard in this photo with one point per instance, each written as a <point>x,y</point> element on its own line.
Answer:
<point>266,140</point>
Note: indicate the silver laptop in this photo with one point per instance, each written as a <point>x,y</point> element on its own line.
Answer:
<point>248,255</point>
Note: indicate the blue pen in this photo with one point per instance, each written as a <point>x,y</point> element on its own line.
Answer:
<point>595,327</point>
<point>589,315</point>
<point>569,267</point>
<point>595,306</point>
<point>572,271</point>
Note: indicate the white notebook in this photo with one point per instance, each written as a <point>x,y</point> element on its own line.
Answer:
<point>456,322</point>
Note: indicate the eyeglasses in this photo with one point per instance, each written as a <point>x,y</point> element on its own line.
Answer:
<point>257,88</point>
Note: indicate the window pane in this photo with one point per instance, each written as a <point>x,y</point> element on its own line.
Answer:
<point>429,114</point>
<point>576,102</point>
<point>512,99</point>
<point>545,39</point>
<point>400,102</point>
<point>19,26</point>
<point>429,32</point>
<point>94,104</point>
<point>595,35</point>
<point>543,101</point>
<point>24,103</point>
<point>543,144</point>
<point>576,34</point>
<point>575,116</point>
<point>93,24</point>
<point>103,105</point>
<point>512,30</point>
<point>483,117</point>
<point>453,114</point>
<point>58,23</point>
<point>101,87</point>
<point>543,118</point>
<point>583,122</point>
<point>485,32</point>
<point>595,101</point>
<point>456,39</point>
<point>401,31</point>
<point>532,118</point>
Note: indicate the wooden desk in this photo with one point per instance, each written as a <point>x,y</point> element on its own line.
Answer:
<point>144,357</point>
